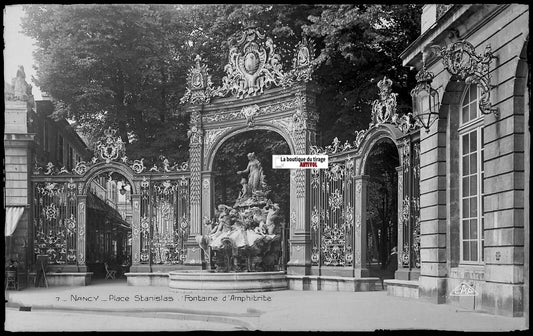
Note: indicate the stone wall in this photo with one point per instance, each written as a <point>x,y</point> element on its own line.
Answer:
<point>17,157</point>
<point>499,280</point>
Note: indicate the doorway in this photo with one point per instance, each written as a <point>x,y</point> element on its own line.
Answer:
<point>109,220</point>
<point>382,209</point>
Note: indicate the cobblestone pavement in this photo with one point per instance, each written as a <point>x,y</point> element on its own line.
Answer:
<point>113,305</point>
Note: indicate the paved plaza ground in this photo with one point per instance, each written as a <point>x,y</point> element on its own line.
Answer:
<point>114,306</point>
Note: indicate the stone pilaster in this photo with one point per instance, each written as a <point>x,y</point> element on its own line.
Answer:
<point>433,271</point>
<point>194,257</point>
<point>300,239</point>
<point>305,119</point>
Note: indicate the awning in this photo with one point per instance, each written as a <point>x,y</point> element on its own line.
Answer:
<point>96,203</point>
<point>13,215</point>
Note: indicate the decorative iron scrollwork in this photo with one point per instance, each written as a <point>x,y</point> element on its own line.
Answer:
<point>460,59</point>
<point>55,222</point>
<point>253,65</point>
<point>383,111</point>
<point>384,108</point>
<point>199,86</point>
<point>111,146</point>
<point>303,63</point>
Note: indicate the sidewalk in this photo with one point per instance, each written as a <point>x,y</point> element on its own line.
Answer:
<point>270,311</point>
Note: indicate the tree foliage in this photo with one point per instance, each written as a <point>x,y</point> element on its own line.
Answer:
<point>382,203</point>
<point>115,65</point>
<point>359,45</point>
<point>125,65</point>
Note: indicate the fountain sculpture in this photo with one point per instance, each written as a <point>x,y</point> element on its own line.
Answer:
<point>245,237</point>
<point>243,242</point>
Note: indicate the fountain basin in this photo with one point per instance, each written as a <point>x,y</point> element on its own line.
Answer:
<point>192,280</point>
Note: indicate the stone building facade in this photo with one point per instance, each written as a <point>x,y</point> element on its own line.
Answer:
<point>30,136</point>
<point>474,188</point>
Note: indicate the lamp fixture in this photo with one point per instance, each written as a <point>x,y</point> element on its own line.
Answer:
<point>425,99</point>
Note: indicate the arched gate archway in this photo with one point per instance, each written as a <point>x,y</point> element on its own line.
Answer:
<point>159,203</point>
<point>170,202</point>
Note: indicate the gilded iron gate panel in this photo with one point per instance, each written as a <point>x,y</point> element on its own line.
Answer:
<point>55,221</point>
<point>164,224</point>
<point>409,217</point>
<point>332,216</point>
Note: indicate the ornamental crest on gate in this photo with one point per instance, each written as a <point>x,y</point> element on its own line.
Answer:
<point>199,85</point>
<point>303,62</point>
<point>111,146</point>
<point>384,108</point>
<point>253,65</point>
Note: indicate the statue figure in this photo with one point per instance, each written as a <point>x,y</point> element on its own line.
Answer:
<point>245,192</point>
<point>268,226</point>
<point>244,237</point>
<point>256,179</point>
<point>20,87</point>
<point>221,231</point>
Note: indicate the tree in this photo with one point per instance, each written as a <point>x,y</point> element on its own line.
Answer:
<point>382,204</point>
<point>115,65</point>
<point>125,65</point>
<point>215,26</point>
<point>359,45</point>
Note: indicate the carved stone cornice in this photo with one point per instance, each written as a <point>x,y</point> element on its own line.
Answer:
<point>280,107</point>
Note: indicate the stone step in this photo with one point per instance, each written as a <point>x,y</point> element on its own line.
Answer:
<point>334,283</point>
<point>402,288</point>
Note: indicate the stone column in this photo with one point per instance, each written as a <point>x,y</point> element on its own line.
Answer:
<point>82,233</point>
<point>360,234</point>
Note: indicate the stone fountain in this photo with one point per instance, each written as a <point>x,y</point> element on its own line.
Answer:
<point>243,242</point>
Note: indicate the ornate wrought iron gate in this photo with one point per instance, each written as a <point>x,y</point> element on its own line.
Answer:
<point>160,207</point>
<point>409,216</point>
<point>338,194</point>
<point>55,221</point>
<point>164,221</point>
<point>332,216</point>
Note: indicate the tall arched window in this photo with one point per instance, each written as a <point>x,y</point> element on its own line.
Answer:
<point>471,177</point>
